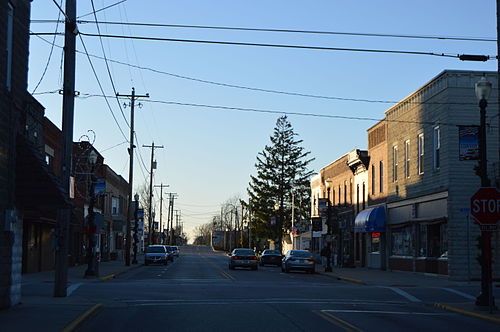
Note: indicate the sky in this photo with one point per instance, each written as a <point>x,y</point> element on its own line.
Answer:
<point>209,153</point>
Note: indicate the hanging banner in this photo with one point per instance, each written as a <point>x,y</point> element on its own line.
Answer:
<point>468,140</point>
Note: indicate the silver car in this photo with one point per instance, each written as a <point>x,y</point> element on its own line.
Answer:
<point>243,258</point>
<point>301,260</point>
<point>156,254</point>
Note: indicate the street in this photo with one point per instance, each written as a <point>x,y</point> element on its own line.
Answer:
<point>199,293</point>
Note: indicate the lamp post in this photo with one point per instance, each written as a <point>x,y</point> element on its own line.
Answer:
<point>136,227</point>
<point>485,298</point>
<point>329,240</point>
<point>91,261</point>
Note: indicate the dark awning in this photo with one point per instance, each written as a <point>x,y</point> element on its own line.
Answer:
<point>36,186</point>
<point>370,220</point>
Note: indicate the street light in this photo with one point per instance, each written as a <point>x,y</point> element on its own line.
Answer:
<point>329,240</point>
<point>136,227</point>
<point>485,298</point>
<point>91,259</point>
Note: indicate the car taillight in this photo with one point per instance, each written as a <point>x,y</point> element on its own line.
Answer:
<point>235,257</point>
<point>254,258</point>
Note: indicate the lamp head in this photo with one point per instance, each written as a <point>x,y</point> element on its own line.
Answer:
<point>483,89</point>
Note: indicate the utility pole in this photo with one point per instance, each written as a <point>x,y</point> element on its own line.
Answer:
<point>161,186</point>
<point>151,221</point>
<point>171,197</point>
<point>68,110</point>
<point>132,97</point>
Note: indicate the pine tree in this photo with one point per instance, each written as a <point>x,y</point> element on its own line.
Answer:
<point>281,169</point>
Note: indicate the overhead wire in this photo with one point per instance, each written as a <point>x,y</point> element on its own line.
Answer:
<point>318,32</point>
<point>298,94</point>
<point>102,90</point>
<point>50,53</point>
<point>107,65</point>
<point>320,48</point>
<point>101,9</point>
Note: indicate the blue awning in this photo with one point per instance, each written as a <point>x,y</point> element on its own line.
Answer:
<point>370,220</point>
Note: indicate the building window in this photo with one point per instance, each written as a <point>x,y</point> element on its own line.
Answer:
<point>407,159</point>
<point>115,206</point>
<point>437,147</point>
<point>333,196</point>
<point>373,179</point>
<point>402,243</point>
<point>433,240</point>
<point>345,192</point>
<point>8,46</point>
<point>381,176</point>
<point>421,154</point>
<point>395,163</point>
<point>357,196</point>
<point>339,194</point>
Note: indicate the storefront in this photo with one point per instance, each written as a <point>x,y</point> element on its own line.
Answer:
<point>418,235</point>
<point>369,228</point>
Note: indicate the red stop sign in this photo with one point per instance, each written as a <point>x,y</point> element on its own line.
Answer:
<point>485,205</point>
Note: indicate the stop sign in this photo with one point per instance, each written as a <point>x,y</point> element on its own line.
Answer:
<point>485,205</point>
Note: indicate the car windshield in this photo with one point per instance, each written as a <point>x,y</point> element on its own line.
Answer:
<point>170,249</point>
<point>244,252</point>
<point>300,253</point>
<point>155,250</point>
<point>271,252</point>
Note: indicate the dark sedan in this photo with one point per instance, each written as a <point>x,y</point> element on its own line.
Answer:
<point>271,257</point>
<point>241,257</point>
<point>301,260</point>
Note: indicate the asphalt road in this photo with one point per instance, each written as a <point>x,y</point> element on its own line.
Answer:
<point>199,293</point>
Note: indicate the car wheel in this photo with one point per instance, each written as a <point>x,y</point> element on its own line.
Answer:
<point>254,268</point>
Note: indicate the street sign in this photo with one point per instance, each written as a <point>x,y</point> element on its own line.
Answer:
<point>322,206</point>
<point>317,224</point>
<point>485,206</point>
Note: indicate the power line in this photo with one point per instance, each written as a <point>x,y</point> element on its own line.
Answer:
<point>112,147</point>
<point>99,10</point>
<point>298,94</point>
<point>107,65</point>
<point>61,10</point>
<point>320,48</point>
<point>102,90</point>
<point>318,32</point>
<point>50,53</point>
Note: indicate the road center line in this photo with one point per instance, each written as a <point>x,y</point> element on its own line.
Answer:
<point>337,321</point>
<point>402,293</point>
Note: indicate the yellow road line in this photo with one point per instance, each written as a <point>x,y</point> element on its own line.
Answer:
<point>338,322</point>
<point>224,273</point>
<point>77,322</point>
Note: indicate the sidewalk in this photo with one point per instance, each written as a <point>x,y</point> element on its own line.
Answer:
<point>40,311</point>
<point>372,277</point>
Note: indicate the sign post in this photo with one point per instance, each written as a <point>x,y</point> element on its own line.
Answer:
<point>485,209</point>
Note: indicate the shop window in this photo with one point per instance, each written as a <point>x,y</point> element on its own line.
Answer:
<point>433,240</point>
<point>422,245</point>
<point>402,242</point>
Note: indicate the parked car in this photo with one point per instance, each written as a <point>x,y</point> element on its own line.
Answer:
<point>156,254</point>
<point>176,251</point>
<point>272,257</point>
<point>170,252</point>
<point>301,260</point>
<point>243,258</point>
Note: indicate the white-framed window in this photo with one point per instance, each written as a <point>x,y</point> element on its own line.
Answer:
<point>381,176</point>
<point>421,154</point>
<point>115,206</point>
<point>373,179</point>
<point>8,46</point>
<point>394,163</point>
<point>407,158</point>
<point>437,147</point>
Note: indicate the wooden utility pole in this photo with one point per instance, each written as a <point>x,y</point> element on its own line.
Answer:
<point>171,197</point>
<point>161,186</point>
<point>151,221</point>
<point>68,110</point>
<point>128,241</point>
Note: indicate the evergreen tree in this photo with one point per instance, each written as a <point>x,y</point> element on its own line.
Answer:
<point>281,172</point>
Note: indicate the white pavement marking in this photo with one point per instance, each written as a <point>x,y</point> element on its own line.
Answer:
<point>467,296</point>
<point>390,312</point>
<point>72,288</point>
<point>402,293</point>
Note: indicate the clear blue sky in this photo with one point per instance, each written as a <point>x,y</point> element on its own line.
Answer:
<point>210,153</point>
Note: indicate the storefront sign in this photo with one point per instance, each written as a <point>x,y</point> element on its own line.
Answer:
<point>468,137</point>
<point>375,234</point>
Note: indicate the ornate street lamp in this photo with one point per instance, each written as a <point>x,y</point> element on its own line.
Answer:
<point>485,298</point>
<point>91,259</point>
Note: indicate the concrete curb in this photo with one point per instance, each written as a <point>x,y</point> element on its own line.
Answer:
<point>78,322</point>
<point>467,313</point>
<point>355,281</point>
